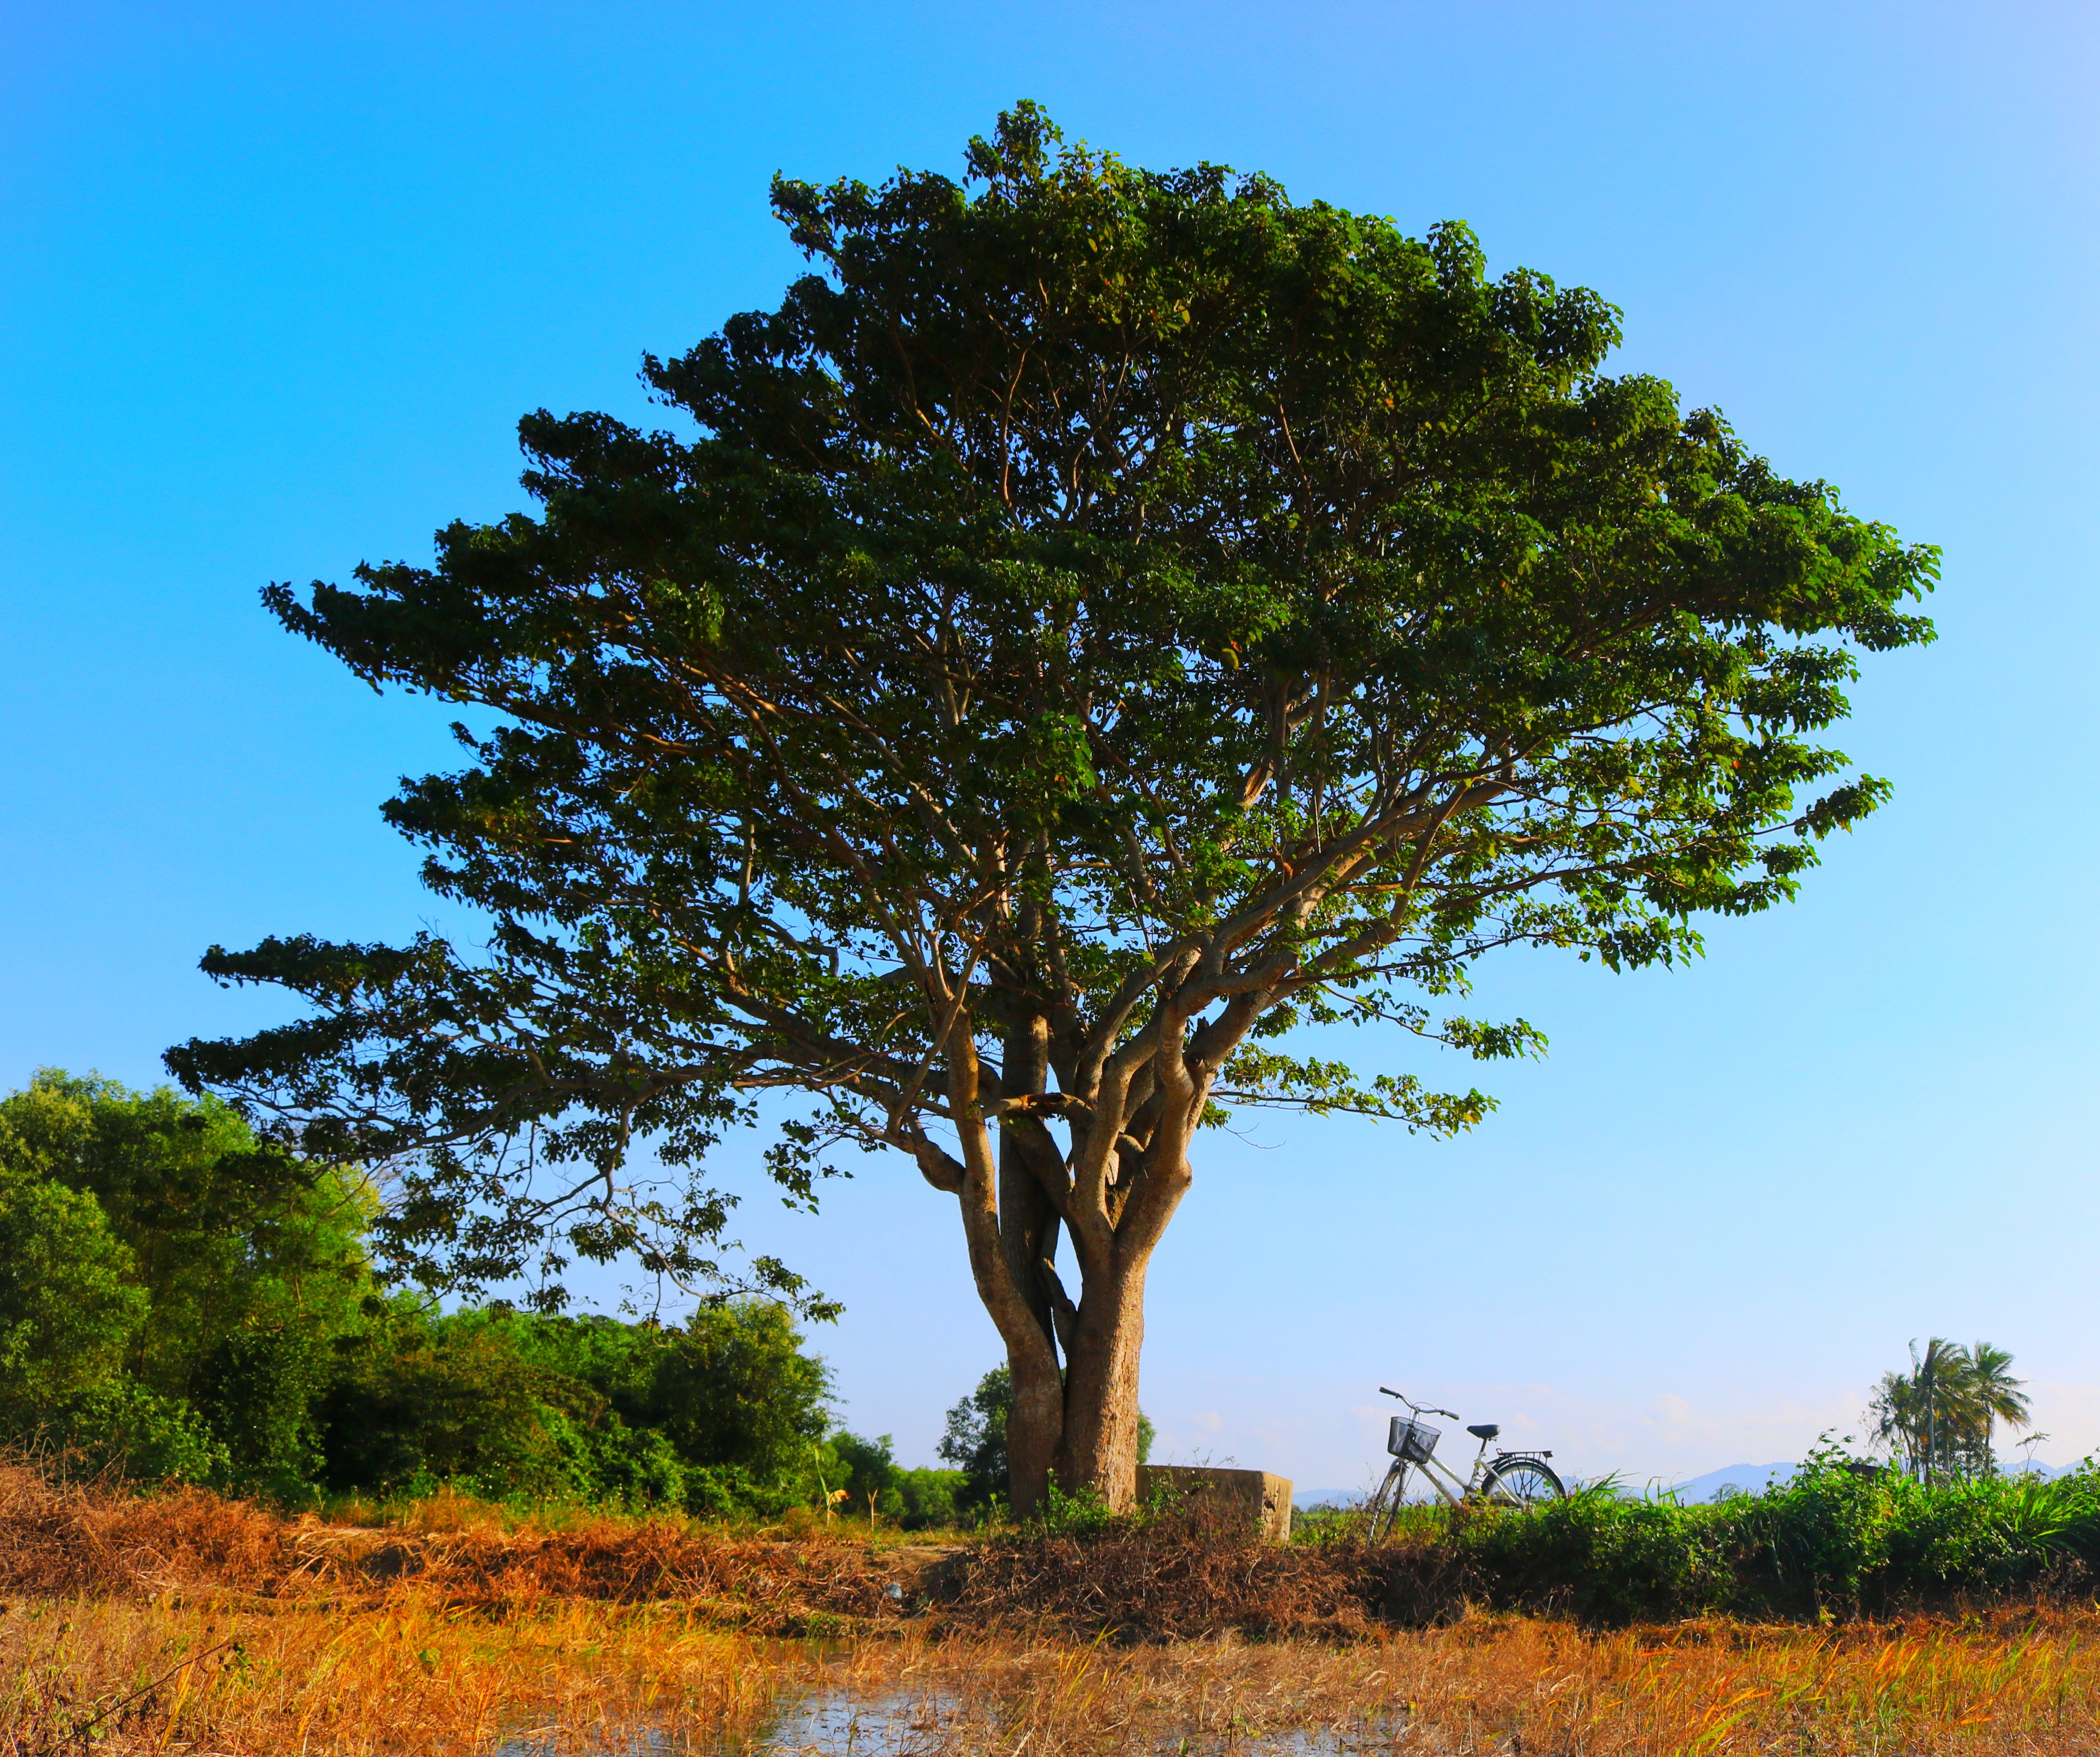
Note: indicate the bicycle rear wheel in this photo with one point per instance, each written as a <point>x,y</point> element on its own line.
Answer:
<point>1520,1481</point>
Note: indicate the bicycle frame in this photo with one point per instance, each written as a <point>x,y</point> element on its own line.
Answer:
<point>1385,1503</point>
<point>1441,1478</point>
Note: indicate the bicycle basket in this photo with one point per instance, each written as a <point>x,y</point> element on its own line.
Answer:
<point>1411,1439</point>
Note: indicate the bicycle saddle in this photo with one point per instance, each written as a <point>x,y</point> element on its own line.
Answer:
<point>1487,1430</point>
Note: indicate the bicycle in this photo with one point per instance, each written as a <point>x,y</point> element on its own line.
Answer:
<point>1508,1479</point>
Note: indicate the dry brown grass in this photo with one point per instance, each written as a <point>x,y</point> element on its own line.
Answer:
<point>1191,1575</point>
<point>181,1623</point>
<point>1526,1685</point>
<point>419,1675</point>
<point>59,1538</point>
<point>413,1674</point>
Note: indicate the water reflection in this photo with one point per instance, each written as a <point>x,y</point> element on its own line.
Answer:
<point>927,1724</point>
<point>835,1724</point>
<point>821,1723</point>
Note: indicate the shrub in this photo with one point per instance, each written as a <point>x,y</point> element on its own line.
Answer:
<point>1601,1555</point>
<point>927,1499</point>
<point>1838,1537</point>
<point>1815,1541</point>
<point>120,1426</point>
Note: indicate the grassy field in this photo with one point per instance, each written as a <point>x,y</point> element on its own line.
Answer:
<point>180,1623</point>
<point>416,1673</point>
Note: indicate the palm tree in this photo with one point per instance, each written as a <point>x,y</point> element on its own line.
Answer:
<point>1897,1412</point>
<point>1911,1410</point>
<point>1941,1414</point>
<point>1998,1395</point>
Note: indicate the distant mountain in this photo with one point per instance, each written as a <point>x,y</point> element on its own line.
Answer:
<point>1752,1479</point>
<point>1302,1498</point>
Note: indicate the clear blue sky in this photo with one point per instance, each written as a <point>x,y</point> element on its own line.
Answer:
<point>275,283</point>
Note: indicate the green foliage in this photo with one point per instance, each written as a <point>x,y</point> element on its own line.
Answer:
<point>913,1500</point>
<point>69,1301</point>
<point>429,1402</point>
<point>1101,619</point>
<point>975,1440</point>
<point>1841,1537</point>
<point>1084,1514</point>
<point>120,1425</point>
<point>718,1417</point>
<point>207,1277</point>
<point>1940,1416</point>
<point>868,1470</point>
<point>179,1298</point>
<point>734,1389</point>
<point>929,1499</point>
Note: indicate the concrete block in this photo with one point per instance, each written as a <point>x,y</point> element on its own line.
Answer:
<point>1263,1499</point>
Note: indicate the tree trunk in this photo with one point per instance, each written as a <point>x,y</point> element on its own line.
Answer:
<point>1028,1231</point>
<point>1028,1228</point>
<point>1099,1446</point>
<point>1034,1426</point>
<point>1079,1421</point>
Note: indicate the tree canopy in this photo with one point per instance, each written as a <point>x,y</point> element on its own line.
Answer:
<point>178,1298</point>
<point>188,1277</point>
<point>1103,619</point>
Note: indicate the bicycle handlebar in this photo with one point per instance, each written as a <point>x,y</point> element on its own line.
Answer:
<point>1420,1409</point>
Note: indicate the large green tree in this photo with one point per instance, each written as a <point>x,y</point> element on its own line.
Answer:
<point>237,1263</point>
<point>1103,619</point>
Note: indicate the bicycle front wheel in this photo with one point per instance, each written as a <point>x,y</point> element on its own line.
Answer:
<point>1383,1507</point>
<point>1521,1482</point>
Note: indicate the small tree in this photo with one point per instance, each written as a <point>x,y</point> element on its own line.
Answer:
<point>974,1440</point>
<point>1105,620</point>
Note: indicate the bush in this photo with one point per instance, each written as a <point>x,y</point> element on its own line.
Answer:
<point>423,1402</point>
<point>121,1427</point>
<point>179,1297</point>
<point>715,1418</point>
<point>1840,1538</point>
<point>912,1500</point>
<point>1600,1555</point>
<point>927,1499</point>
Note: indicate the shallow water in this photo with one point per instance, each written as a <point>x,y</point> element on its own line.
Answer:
<point>819,1724</point>
<point>919,1724</point>
<point>835,1723</point>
